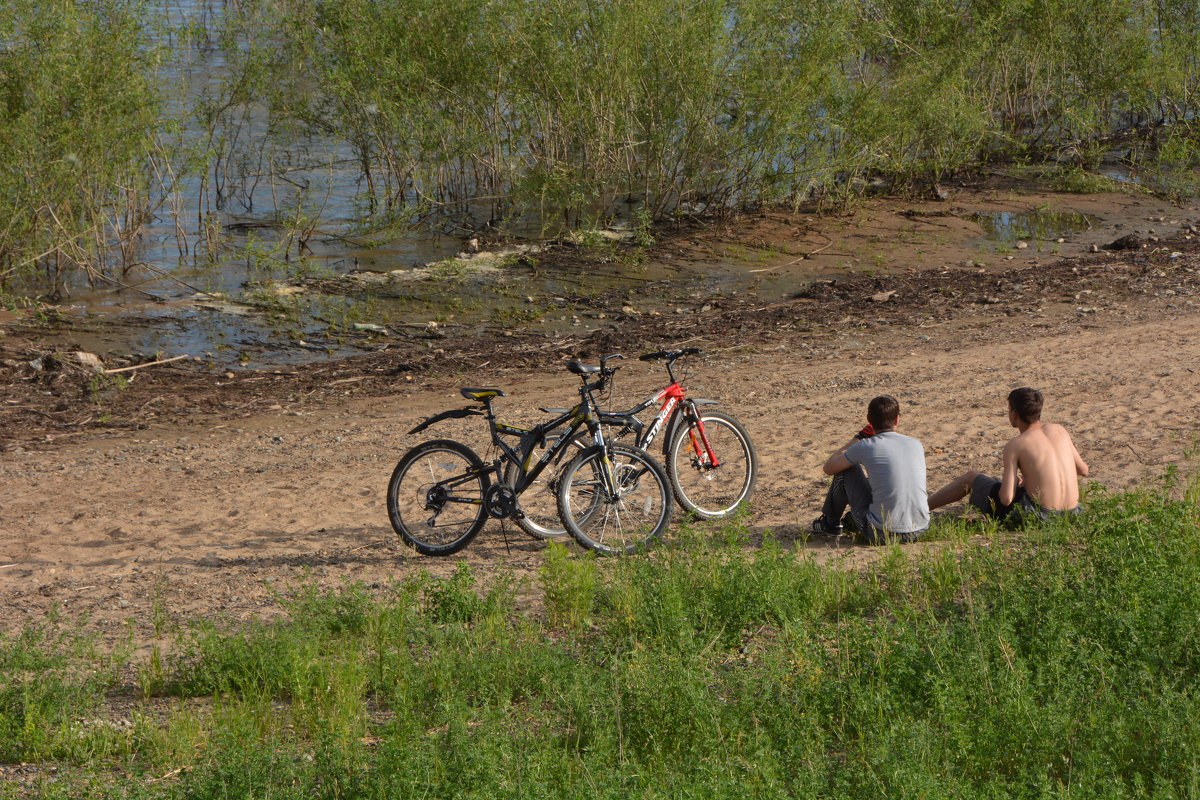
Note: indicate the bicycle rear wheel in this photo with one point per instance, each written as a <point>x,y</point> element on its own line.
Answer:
<point>706,490</point>
<point>620,522</point>
<point>435,497</point>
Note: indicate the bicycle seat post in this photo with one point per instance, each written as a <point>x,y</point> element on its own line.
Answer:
<point>490,415</point>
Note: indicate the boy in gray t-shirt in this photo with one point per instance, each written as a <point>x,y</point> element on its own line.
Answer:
<point>880,475</point>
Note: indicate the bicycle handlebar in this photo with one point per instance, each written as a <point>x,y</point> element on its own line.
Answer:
<point>669,355</point>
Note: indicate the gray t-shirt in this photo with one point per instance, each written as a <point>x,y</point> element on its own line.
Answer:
<point>895,466</point>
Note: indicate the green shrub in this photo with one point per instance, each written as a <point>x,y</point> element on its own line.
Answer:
<point>78,124</point>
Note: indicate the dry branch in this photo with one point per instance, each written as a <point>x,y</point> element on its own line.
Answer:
<point>147,364</point>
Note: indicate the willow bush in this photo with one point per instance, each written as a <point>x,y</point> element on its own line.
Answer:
<point>563,107</point>
<point>78,125</point>
<point>568,107</point>
<point>475,112</point>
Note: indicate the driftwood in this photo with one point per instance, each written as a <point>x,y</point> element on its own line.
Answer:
<point>147,364</point>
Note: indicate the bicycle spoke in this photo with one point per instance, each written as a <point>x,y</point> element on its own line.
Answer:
<point>619,522</point>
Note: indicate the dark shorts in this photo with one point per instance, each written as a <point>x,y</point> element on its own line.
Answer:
<point>985,496</point>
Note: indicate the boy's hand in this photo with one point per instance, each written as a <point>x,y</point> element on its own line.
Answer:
<point>869,430</point>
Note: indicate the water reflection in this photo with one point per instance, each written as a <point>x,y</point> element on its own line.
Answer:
<point>1008,227</point>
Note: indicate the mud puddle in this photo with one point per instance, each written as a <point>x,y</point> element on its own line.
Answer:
<point>1039,225</point>
<point>981,225</point>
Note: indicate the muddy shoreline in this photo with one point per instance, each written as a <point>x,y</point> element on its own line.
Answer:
<point>46,395</point>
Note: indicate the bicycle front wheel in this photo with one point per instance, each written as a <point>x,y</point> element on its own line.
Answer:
<point>614,500</point>
<point>435,497</point>
<point>706,490</point>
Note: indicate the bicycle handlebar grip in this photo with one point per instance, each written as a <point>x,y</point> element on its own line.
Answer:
<point>670,355</point>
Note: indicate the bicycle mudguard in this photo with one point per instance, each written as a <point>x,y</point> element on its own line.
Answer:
<point>456,413</point>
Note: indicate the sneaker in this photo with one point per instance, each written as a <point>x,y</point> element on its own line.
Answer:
<point>848,524</point>
<point>821,525</point>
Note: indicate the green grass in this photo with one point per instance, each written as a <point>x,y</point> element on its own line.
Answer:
<point>1059,661</point>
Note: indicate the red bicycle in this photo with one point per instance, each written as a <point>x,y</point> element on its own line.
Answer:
<point>708,455</point>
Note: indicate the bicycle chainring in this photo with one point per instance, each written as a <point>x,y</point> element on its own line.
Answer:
<point>500,502</point>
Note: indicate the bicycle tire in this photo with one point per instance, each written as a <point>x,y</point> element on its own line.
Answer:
<point>459,471</point>
<point>708,492</point>
<point>539,501</point>
<point>619,525</point>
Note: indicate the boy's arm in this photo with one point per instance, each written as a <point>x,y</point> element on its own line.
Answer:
<point>838,462</point>
<point>1009,478</point>
<point>1081,467</point>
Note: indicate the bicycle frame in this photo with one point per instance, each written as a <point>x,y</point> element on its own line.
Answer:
<point>674,401</point>
<point>584,414</point>
<point>578,417</point>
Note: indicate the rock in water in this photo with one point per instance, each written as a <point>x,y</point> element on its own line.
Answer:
<point>89,360</point>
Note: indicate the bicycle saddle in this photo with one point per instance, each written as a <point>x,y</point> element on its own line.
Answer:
<point>472,393</point>
<point>582,369</point>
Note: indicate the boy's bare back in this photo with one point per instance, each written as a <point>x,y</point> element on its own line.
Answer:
<point>1048,463</point>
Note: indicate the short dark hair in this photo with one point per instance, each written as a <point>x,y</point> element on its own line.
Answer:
<point>1026,403</point>
<point>883,412</point>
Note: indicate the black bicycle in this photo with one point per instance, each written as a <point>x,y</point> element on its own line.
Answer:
<point>611,497</point>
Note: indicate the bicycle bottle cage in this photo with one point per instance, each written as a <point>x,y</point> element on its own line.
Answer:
<point>456,413</point>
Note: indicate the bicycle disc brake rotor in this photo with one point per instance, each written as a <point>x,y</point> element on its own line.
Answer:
<point>627,478</point>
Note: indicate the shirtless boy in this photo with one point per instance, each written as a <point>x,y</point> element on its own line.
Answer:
<point>1041,469</point>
